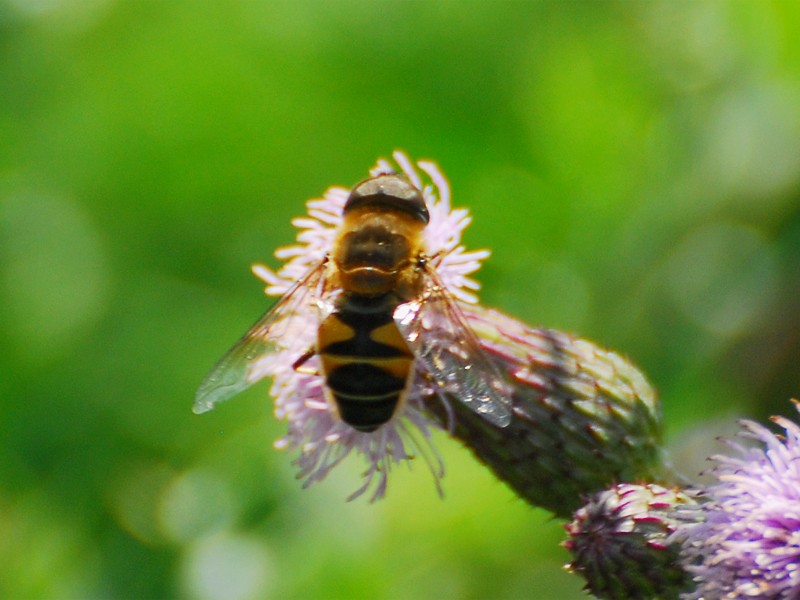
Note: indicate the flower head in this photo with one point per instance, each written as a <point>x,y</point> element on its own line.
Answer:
<point>322,439</point>
<point>746,543</point>
<point>554,416</point>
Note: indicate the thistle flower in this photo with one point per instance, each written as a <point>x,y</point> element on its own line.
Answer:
<point>620,542</point>
<point>745,542</point>
<point>322,439</point>
<point>583,417</point>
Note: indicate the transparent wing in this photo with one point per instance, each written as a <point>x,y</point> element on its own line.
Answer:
<point>230,375</point>
<point>443,342</point>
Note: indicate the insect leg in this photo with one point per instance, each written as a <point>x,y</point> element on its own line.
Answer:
<point>298,364</point>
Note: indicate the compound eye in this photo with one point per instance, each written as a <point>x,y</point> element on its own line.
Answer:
<point>393,192</point>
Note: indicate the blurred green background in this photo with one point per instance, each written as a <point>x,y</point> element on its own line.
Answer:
<point>634,166</point>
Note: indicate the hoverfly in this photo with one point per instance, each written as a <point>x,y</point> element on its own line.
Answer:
<point>383,318</point>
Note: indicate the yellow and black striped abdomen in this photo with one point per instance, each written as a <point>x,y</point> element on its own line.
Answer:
<point>365,360</point>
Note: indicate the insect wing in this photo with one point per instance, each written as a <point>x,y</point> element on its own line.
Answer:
<point>441,339</point>
<point>231,374</point>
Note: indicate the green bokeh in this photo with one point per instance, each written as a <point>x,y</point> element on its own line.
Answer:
<point>634,167</point>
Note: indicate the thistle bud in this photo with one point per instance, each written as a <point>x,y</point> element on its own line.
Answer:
<point>620,543</point>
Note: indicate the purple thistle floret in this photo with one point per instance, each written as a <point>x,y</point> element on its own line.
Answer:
<point>747,543</point>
